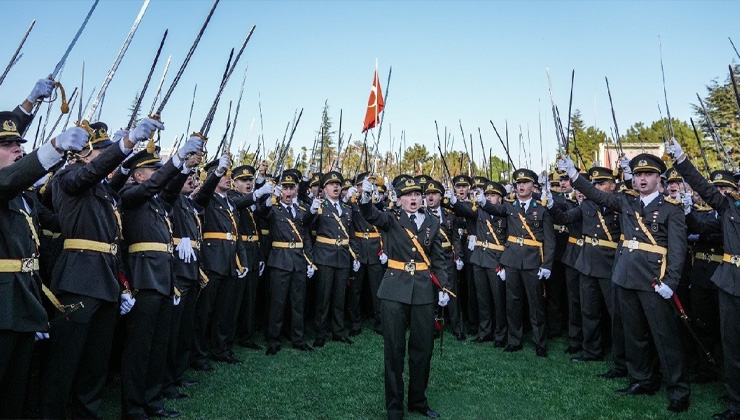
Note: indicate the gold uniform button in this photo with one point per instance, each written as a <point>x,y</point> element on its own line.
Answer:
<point>413,249</point>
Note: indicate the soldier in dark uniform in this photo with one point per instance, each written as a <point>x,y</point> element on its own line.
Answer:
<point>647,270</point>
<point>148,234</point>
<point>407,293</point>
<point>564,276</point>
<point>434,195</point>
<point>725,200</point>
<point>88,214</point>
<point>597,242</point>
<point>369,249</point>
<point>290,261</point>
<point>335,253</point>
<point>244,197</point>
<point>465,230</point>
<point>527,259</point>
<point>490,237</point>
<point>22,315</point>
<point>214,309</point>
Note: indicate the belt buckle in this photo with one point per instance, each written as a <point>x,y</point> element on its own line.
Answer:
<point>338,242</point>
<point>114,249</point>
<point>366,235</point>
<point>485,245</point>
<point>633,245</point>
<point>520,241</point>
<point>26,265</point>
<point>579,242</point>
<point>561,228</point>
<point>291,245</point>
<point>229,236</point>
<point>735,259</point>
<point>196,245</point>
<point>410,267</point>
<point>170,248</point>
<point>595,241</point>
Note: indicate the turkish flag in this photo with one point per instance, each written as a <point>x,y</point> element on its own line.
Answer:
<point>375,105</point>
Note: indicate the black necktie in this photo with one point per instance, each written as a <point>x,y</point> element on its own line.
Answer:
<point>642,205</point>
<point>524,208</point>
<point>413,220</point>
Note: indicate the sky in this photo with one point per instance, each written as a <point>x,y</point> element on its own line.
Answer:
<point>472,61</point>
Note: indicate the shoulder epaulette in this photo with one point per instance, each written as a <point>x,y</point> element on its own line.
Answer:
<point>673,201</point>
<point>509,200</point>
<point>633,193</point>
<point>302,208</point>
<point>540,202</point>
<point>700,207</point>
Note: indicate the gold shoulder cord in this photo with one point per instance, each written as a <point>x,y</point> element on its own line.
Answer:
<point>647,233</point>
<point>490,230</point>
<point>300,238</point>
<point>52,298</point>
<point>603,224</point>
<point>341,226</point>
<point>236,230</point>
<point>529,231</point>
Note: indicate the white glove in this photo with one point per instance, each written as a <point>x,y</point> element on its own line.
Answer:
<point>480,197</point>
<point>193,145</point>
<point>459,264</point>
<point>119,135</point>
<point>127,302</point>
<point>265,189</point>
<point>471,242</point>
<point>355,266</point>
<point>144,130</point>
<point>315,206</point>
<point>350,193</point>
<point>444,298</point>
<point>185,250</point>
<point>42,89</point>
<point>383,258</point>
<point>693,238</point>
<point>543,273</point>
<point>41,336</point>
<point>502,274</point>
<point>309,271</point>
<point>548,198</point>
<point>367,186</point>
<point>243,273</point>
<point>175,300</point>
<point>688,202</point>
<point>566,165</point>
<point>663,290</point>
<point>262,267</point>
<point>509,188</point>
<point>278,191</point>
<point>223,164</point>
<point>624,163</point>
<point>674,149</point>
<point>74,139</point>
<point>451,196</point>
<point>313,168</point>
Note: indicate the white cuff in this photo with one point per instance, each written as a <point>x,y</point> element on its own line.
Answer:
<point>124,149</point>
<point>125,171</point>
<point>177,161</point>
<point>23,110</point>
<point>366,197</point>
<point>48,155</point>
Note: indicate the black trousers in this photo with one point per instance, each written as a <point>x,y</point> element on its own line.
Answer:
<point>646,313</point>
<point>368,275</point>
<point>145,354</point>
<point>331,286</point>
<point>555,299</point>
<point>78,359</point>
<point>471,295</point>
<point>181,335</point>
<point>285,285</point>
<point>572,286</point>
<point>397,319</point>
<point>228,301</point>
<point>16,349</point>
<point>521,284</point>
<point>454,306</point>
<point>729,314</point>
<point>705,314</point>
<point>491,303</point>
<point>594,291</point>
<point>247,310</point>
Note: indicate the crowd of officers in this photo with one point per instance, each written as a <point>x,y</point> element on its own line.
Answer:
<point>113,261</point>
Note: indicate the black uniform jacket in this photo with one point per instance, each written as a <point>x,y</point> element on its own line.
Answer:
<point>368,248</point>
<point>521,256</point>
<point>249,232</point>
<point>87,208</point>
<point>727,275</point>
<point>401,285</point>
<point>450,239</point>
<point>146,219</point>
<point>708,226</point>
<point>287,229</point>
<point>489,229</point>
<point>326,225</point>
<point>220,255</point>
<point>635,268</point>
<point>20,293</point>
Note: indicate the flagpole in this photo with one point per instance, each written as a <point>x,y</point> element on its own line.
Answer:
<point>377,123</point>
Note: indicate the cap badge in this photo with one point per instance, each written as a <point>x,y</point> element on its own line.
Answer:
<point>9,125</point>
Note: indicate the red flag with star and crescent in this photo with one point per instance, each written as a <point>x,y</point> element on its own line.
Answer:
<point>375,105</point>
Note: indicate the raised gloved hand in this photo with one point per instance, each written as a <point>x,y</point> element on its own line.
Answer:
<point>175,300</point>
<point>548,198</point>
<point>624,164</point>
<point>185,250</point>
<point>367,186</point>
<point>502,274</point>
<point>73,139</point>
<point>350,193</point>
<point>688,203</point>
<point>443,298</point>
<point>41,336</point>
<point>459,264</point>
<point>223,164</point>
<point>144,130</point>
<point>262,267</point>
<point>565,164</point>
<point>265,189</point>
<point>664,291</point>
<point>278,191</point>
<point>449,195</point>
<point>315,205</point>
<point>119,135</point>
<point>471,242</point>
<point>193,145</point>
<point>310,271</point>
<point>42,89</point>
<point>674,149</point>
<point>383,258</point>
<point>480,196</point>
<point>355,266</point>
<point>243,273</point>
<point>543,273</point>
<point>127,302</point>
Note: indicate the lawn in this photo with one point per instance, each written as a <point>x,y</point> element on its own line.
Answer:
<point>471,381</point>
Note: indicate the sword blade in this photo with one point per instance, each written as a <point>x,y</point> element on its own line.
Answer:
<point>14,59</point>
<point>146,83</point>
<point>61,62</point>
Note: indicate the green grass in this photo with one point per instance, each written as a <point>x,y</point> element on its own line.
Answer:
<point>471,381</point>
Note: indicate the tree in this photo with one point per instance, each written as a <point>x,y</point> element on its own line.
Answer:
<point>722,107</point>
<point>131,110</point>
